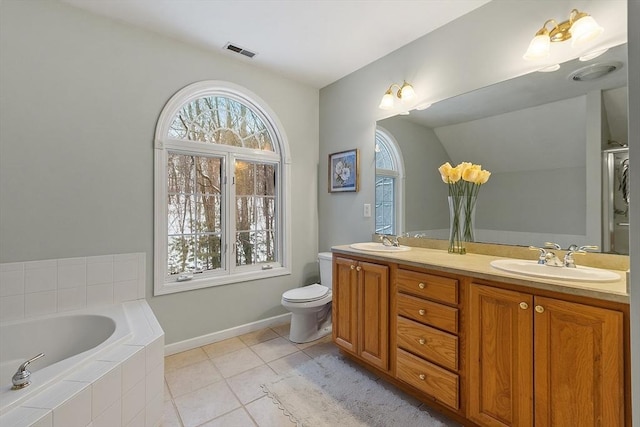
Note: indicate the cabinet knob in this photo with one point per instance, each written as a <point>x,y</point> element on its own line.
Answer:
<point>539,309</point>
<point>358,268</point>
<point>421,341</point>
<point>421,285</point>
<point>421,312</point>
<point>524,305</point>
<point>353,267</point>
<point>422,376</point>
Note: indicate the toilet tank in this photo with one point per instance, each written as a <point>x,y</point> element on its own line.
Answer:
<point>325,259</point>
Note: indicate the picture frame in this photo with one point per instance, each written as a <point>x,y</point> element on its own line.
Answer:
<point>344,171</point>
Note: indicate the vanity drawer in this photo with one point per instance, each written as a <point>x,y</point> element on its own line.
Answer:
<point>427,377</point>
<point>429,286</point>
<point>427,312</point>
<point>428,343</point>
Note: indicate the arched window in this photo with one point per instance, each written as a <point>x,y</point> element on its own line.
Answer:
<point>221,204</point>
<point>389,184</point>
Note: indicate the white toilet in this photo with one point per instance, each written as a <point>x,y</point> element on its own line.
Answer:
<point>310,306</point>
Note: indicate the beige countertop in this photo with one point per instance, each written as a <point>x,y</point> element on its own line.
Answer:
<point>477,265</point>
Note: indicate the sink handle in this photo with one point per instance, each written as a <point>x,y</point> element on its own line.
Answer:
<point>551,245</point>
<point>542,257</point>
<point>588,248</point>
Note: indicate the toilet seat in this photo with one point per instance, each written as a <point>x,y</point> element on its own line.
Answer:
<point>306,293</point>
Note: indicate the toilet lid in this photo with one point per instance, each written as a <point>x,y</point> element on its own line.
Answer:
<point>306,293</point>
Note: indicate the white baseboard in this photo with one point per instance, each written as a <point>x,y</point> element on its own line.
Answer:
<point>196,342</point>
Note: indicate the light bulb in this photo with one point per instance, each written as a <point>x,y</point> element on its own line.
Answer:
<point>538,48</point>
<point>387,101</point>
<point>584,30</point>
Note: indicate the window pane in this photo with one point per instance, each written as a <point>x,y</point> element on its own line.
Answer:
<point>245,178</point>
<point>385,213</point>
<point>181,254</point>
<point>180,173</point>
<point>208,209</point>
<point>255,212</point>
<point>209,252</point>
<point>266,179</point>
<point>208,175</point>
<point>180,214</point>
<point>221,120</point>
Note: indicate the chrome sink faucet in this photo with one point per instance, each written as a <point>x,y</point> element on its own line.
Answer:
<point>568,258</point>
<point>389,242</point>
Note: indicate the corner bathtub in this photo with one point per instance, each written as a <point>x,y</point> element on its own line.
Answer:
<point>78,346</point>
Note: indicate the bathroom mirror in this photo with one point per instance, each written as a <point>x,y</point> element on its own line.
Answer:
<point>543,136</point>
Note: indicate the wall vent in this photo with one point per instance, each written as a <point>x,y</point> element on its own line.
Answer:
<point>237,49</point>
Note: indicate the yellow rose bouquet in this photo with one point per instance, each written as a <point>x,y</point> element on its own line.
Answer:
<point>464,183</point>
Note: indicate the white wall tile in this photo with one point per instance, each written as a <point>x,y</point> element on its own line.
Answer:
<point>133,370</point>
<point>40,276</point>
<point>72,273</point>
<point>99,295</point>
<point>155,382</point>
<point>72,299</point>
<point>155,354</point>
<point>75,412</point>
<point>125,291</point>
<point>12,307</point>
<point>99,272</point>
<point>40,303</point>
<point>32,417</point>
<point>106,390</point>
<point>125,269</point>
<point>154,411</point>
<point>110,417</point>
<point>138,420</point>
<point>11,279</point>
<point>133,403</point>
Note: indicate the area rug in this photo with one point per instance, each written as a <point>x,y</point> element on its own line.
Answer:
<point>328,392</point>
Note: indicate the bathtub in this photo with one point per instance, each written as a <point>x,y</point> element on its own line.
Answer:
<point>81,349</point>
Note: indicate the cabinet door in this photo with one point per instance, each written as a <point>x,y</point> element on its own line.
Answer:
<point>578,365</point>
<point>345,308</point>
<point>500,351</point>
<point>373,289</point>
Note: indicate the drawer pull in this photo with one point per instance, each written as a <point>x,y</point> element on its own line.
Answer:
<point>539,309</point>
<point>422,376</point>
<point>421,312</point>
<point>421,341</point>
<point>524,305</point>
<point>353,267</point>
<point>421,285</point>
<point>358,268</point>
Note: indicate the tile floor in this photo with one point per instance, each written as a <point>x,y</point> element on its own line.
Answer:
<point>218,385</point>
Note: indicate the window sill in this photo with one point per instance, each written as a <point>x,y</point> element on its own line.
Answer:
<point>172,286</point>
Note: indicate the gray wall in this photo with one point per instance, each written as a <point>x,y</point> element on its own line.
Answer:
<point>81,96</point>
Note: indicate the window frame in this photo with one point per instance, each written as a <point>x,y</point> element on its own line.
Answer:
<point>398,174</point>
<point>165,284</point>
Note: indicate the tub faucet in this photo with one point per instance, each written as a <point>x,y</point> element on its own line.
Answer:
<point>21,377</point>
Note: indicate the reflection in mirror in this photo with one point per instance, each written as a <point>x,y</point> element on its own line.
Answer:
<point>544,138</point>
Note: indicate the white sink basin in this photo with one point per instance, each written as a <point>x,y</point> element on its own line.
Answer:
<point>378,247</point>
<point>532,268</point>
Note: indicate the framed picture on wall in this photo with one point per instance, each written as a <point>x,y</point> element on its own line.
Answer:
<point>344,171</point>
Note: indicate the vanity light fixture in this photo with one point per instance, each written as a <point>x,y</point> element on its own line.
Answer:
<point>580,28</point>
<point>405,93</point>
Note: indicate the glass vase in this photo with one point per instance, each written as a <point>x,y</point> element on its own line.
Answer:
<point>462,210</point>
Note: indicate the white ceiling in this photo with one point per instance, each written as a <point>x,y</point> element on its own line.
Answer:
<point>312,41</point>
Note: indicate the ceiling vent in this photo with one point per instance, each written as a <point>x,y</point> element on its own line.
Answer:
<point>237,49</point>
<point>595,71</point>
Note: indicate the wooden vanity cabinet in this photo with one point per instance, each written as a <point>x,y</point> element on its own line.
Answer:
<point>536,360</point>
<point>361,309</point>
<point>425,334</point>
